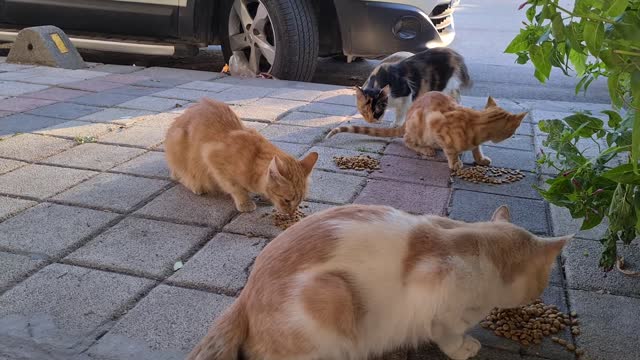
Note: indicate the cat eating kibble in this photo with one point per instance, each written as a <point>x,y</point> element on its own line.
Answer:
<point>356,281</point>
<point>208,149</point>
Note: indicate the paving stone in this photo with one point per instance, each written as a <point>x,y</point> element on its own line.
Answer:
<point>432,352</point>
<point>242,95</point>
<point>518,142</point>
<point>52,80</point>
<point>334,188</point>
<point>525,129</point>
<point>140,246</point>
<point>94,85</point>
<point>126,78</point>
<point>564,224</point>
<point>413,198</point>
<point>509,158</point>
<point>9,67</point>
<point>65,110</point>
<point>165,325</point>
<point>11,206</point>
<point>21,123</point>
<point>356,142</point>
<point>142,136</point>
<point>20,104</point>
<point>29,147</point>
<point>523,188</point>
<point>117,69</point>
<point>161,120</point>
<point>57,94</point>
<point>295,150</point>
<point>4,113</point>
<point>47,71</point>
<point>77,129</point>
<point>608,325</point>
<point>293,134</point>
<point>152,164</point>
<point>312,119</point>
<point>267,109</point>
<point>85,300</point>
<point>260,223</point>
<point>184,94</point>
<point>413,170</point>
<point>134,90</point>
<point>221,265</point>
<point>562,106</point>
<point>94,156</point>
<point>102,99</point>
<point>153,103</point>
<point>581,258</point>
<point>117,116</point>
<point>181,205</point>
<point>14,268</point>
<point>116,192</point>
<point>396,147</point>
<point>41,181</point>
<point>473,206</point>
<point>326,155</point>
<point>65,228</point>
<point>329,109</point>
<point>160,84</point>
<point>14,88</point>
<point>344,97</point>
<point>205,86</point>
<point>296,94</point>
<point>178,74</point>
<point>7,165</point>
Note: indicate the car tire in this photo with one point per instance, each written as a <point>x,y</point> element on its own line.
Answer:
<point>291,31</point>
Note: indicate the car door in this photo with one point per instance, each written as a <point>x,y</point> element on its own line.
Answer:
<point>145,18</point>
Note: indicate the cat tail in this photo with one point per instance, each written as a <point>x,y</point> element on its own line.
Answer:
<point>225,338</point>
<point>463,73</point>
<point>366,130</point>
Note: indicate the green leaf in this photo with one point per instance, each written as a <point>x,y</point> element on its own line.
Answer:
<point>614,118</point>
<point>635,138</point>
<point>593,36</point>
<point>612,83</point>
<point>519,43</point>
<point>557,27</point>
<point>636,207</point>
<point>617,8</point>
<point>583,124</point>
<point>579,61</point>
<point>540,59</point>
<point>531,12</point>
<point>523,58</point>
<point>623,174</point>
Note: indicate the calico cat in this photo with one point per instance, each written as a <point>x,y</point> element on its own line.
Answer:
<point>209,149</point>
<point>435,120</point>
<point>399,84</point>
<point>356,281</point>
<point>391,59</point>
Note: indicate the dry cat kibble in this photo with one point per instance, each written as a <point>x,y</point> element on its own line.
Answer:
<point>531,323</point>
<point>489,175</point>
<point>284,221</point>
<point>360,162</point>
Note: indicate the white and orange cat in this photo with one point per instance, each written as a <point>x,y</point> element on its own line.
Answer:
<point>209,149</point>
<point>357,281</point>
<point>437,121</point>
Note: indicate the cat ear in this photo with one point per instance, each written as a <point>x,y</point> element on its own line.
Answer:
<point>275,168</point>
<point>358,90</point>
<point>501,214</point>
<point>521,116</point>
<point>490,102</point>
<point>309,161</point>
<point>553,246</point>
<point>385,90</point>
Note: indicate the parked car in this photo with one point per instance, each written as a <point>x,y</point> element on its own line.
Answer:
<point>283,37</point>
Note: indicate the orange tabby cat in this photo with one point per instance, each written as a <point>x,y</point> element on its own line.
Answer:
<point>356,281</point>
<point>435,120</point>
<point>209,149</point>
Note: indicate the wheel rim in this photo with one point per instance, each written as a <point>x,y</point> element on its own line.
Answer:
<point>251,35</point>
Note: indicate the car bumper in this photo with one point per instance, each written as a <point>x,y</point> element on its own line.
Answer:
<point>376,28</point>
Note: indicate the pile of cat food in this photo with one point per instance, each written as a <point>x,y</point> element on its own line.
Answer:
<point>360,163</point>
<point>285,221</point>
<point>531,323</point>
<point>489,175</point>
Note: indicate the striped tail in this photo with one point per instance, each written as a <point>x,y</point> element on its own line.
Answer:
<point>463,73</point>
<point>371,131</point>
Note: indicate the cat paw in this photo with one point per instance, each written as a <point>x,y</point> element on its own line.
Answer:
<point>428,153</point>
<point>456,166</point>
<point>469,349</point>
<point>484,161</point>
<point>248,206</point>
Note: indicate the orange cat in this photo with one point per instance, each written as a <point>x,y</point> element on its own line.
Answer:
<point>209,149</point>
<point>356,281</point>
<point>435,120</point>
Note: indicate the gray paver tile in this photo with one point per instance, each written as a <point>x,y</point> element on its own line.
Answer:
<point>9,67</point>
<point>165,325</point>
<point>334,188</point>
<point>141,246</point>
<point>295,150</point>
<point>19,123</point>
<point>178,74</point>
<point>57,94</point>
<point>19,104</point>
<point>267,109</point>
<point>509,158</point>
<point>94,295</point>
<point>581,258</point>
<point>242,95</point>
<point>116,192</point>
<point>260,223</point>
<point>4,113</point>
<point>74,128</point>
<point>205,86</point>
<point>52,80</point>
<point>125,78</point>
<point>413,198</point>
<point>7,165</point>
<point>329,109</point>
<point>608,325</point>
<point>413,170</point>
<point>181,205</point>
<point>15,267</point>
<point>150,164</point>
<point>160,84</point>
<point>473,206</point>
<point>325,159</point>
<point>522,188</point>
<point>11,206</point>
<point>31,147</point>
<point>356,142</point>
<point>94,156</point>
<point>116,115</point>
<point>221,264</point>
<point>296,94</point>
<point>41,181</point>
<point>66,227</point>
<point>293,134</point>
<point>14,88</point>
<point>142,136</point>
<point>102,99</point>
<point>94,85</point>
<point>396,147</point>
<point>117,69</point>
<point>184,94</point>
<point>312,119</point>
<point>518,142</point>
<point>161,120</point>
<point>486,353</point>
<point>344,97</point>
<point>134,90</point>
<point>564,224</point>
<point>153,103</point>
<point>65,110</point>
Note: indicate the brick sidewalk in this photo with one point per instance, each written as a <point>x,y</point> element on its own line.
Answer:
<point>91,225</point>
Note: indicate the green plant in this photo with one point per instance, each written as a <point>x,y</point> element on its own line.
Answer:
<point>84,139</point>
<point>597,38</point>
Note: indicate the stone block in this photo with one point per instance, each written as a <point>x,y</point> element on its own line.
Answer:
<point>296,94</point>
<point>413,170</point>
<point>77,129</point>
<point>160,84</point>
<point>66,227</point>
<point>205,86</point>
<point>94,85</point>
<point>20,104</point>
<point>413,198</point>
<point>139,136</point>
<point>397,148</point>
<point>473,207</point>
<point>162,120</point>
<point>162,73</point>
<point>11,206</point>
<point>57,94</point>
<point>523,188</point>
<point>140,246</point>
<point>181,205</point>
<point>41,181</point>
<point>344,97</point>
<point>334,188</point>
<point>183,94</point>
<point>117,69</point>
<point>260,221</point>
<point>356,142</point>
<point>431,352</point>
<point>329,109</point>
<point>116,192</point>
<point>564,224</point>
<point>7,165</point>
<point>518,142</point>
<point>267,109</point>
<point>242,95</point>
<point>295,150</point>
<point>165,325</point>
<point>14,88</point>
<point>312,119</point>
<point>117,116</point>
<point>153,104</point>
<point>134,90</point>
<point>65,110</point>
<point>326,155</point>
<point>45,45</point>
<point>508,158</point>
<point>293,134</point>
<point>29,147</point>
<point>21,123</point>
<point>125,78</point>
<point>102,99</point>
<point>14,267</point>
<point>94,156</point>
<point>152,164</point>
<point>221,265</point>
<point>85,300</point>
